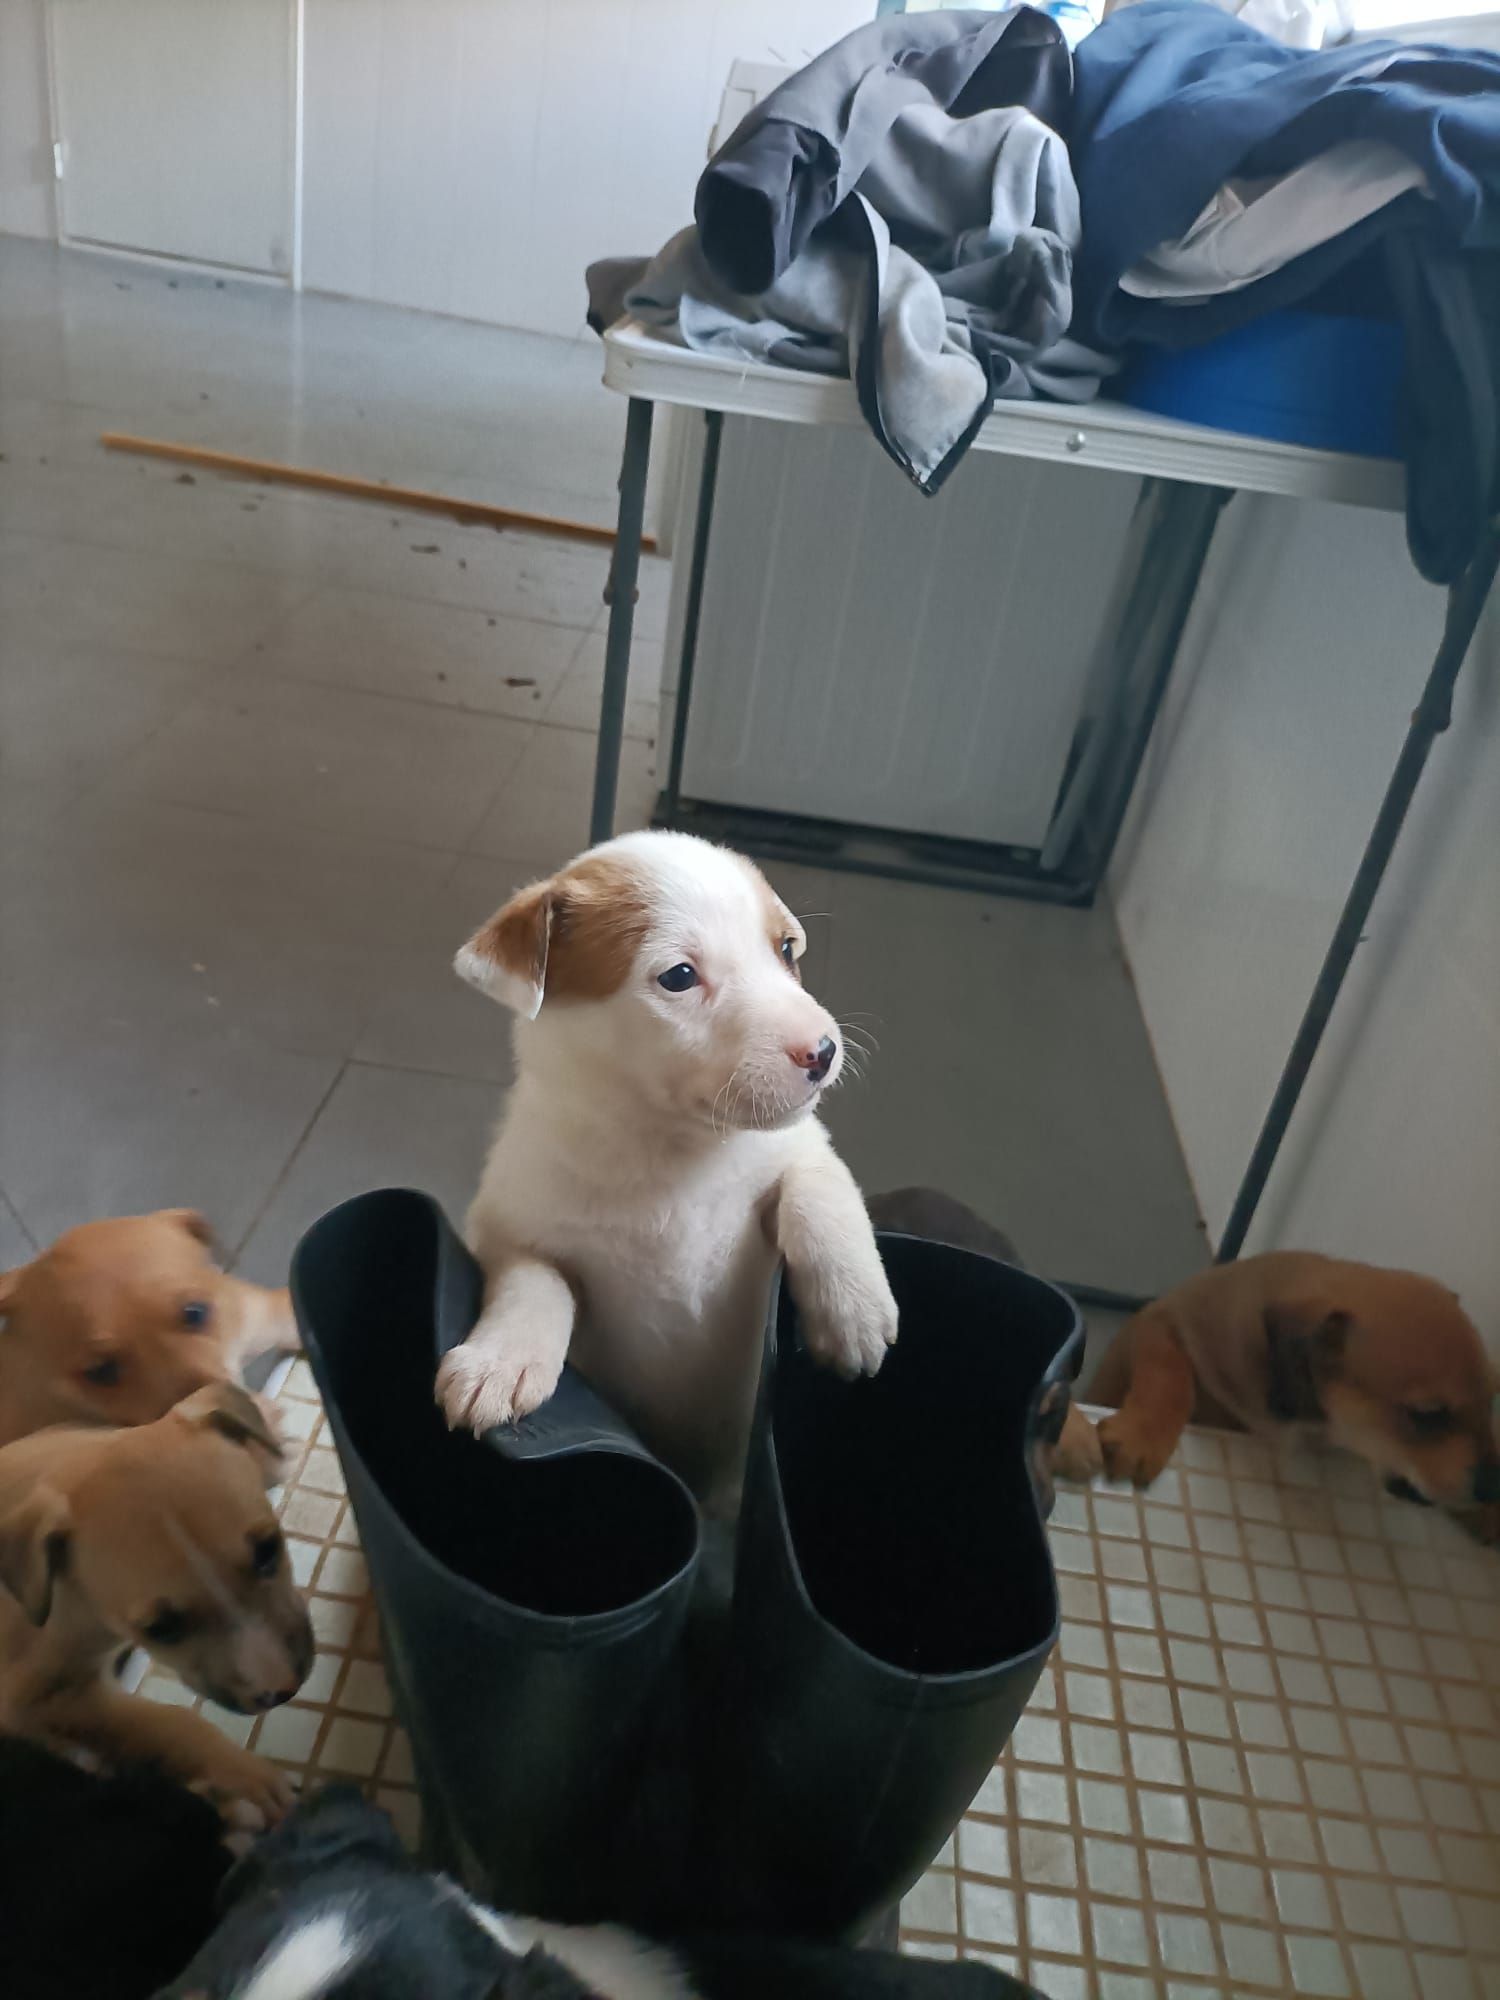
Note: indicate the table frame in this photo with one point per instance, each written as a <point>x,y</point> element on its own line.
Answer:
<point>1176,456</point>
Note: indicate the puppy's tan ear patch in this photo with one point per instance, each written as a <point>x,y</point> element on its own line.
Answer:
<point>9,1285</point>
<point>574,937</point>
<point>507,957</point>
<point>34,1540</point>
<point>235,1414</point>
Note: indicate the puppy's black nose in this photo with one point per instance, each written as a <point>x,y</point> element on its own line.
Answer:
<point>817,1062</point>
<point>1487,1482</point>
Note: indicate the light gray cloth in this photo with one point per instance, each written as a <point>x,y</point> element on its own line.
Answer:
<point>1252,227</point>
<point>938,274</point>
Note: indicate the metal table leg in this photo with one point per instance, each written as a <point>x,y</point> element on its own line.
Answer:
<point>1466,602</point>
<point>1169,547</point>
<point>620,594</point>
<point>708,479</point>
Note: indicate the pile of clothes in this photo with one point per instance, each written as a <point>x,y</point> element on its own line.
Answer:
<point>953,207</point>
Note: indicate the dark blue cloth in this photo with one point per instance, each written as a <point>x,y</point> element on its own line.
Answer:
<point>1172,98</point>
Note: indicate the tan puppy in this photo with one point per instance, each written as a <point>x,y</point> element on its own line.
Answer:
<point>160,1536</point>
<point>1385,1364</point>
<point>120,1320</point>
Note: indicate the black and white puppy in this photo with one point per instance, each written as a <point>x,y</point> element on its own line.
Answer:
<point>329,1907</point>
<point>107,1884</point>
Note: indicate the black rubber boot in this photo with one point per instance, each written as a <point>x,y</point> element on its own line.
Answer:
<point>531,1597</point>
<point>894,1597</point>
<point>584,1748</point>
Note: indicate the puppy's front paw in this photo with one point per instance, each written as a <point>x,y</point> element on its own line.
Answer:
<point>1132,1449</point>
<point>1078,1454</point>
<point>250,1793</point>
<point>480,1386</point>
<point>849,1327</point>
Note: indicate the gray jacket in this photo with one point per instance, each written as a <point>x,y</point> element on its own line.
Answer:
<point>899,210</point>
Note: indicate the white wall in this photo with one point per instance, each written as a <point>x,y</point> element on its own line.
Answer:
<point>1298,674</point>
<point>472,156</point>
<point>179,122</point>
<point>25,121</point>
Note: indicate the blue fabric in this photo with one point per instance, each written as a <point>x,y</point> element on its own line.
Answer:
<point>1172,98</point>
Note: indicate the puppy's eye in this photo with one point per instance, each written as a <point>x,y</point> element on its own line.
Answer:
<point>265,1555</point>
<point>196,1313</point>
<point>1429,1419</point>
<point>168,1628</point>
<point>678,978</point>
<point>103,1374</point>
<point>788,951</point>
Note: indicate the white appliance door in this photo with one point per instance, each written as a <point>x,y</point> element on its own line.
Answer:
<point>177,121</point>
<point>869,655</point>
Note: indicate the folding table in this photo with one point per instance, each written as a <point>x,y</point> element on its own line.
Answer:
<point>1189,472</point>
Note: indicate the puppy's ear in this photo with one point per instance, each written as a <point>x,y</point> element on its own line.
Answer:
<point>197,1226</point>
<point>507,957</point>
<point>235,1414</point>
<point>1304,1343</point>
<point>34,1539</point>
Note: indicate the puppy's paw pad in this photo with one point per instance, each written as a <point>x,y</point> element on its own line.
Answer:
<point>240,1816</point>
<point>478,1389</point>
<point>1130,1452</point>
<point>1079,1453</point>
<point>251,1794</point>
<point>852,1338</point>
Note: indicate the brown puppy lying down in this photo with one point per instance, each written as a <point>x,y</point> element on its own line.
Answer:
<point>120,1320</point>
<point>1385,1364</point>
<point>160,1536</point>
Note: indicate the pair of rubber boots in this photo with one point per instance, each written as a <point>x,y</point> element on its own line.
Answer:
<point>609,1722</point>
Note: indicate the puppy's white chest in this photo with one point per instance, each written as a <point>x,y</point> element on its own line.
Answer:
<point>671,1304</point>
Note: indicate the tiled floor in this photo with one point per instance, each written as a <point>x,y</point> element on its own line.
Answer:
<point>1265,1758</point>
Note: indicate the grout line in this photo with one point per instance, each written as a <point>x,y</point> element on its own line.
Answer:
<point>279,1180</point>
<point>420,1069</point>
<point>19,1220</point>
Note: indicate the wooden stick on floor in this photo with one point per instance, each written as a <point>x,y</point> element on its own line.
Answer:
<point>410,499</point>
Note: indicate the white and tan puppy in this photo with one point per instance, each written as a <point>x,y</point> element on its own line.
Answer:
<point>658,1152</point>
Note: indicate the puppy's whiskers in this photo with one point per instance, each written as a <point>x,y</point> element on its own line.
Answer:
<point>721,1096</point>
<point>739,1082</point>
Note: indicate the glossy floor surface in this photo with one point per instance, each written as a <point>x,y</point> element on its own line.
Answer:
<point>266,757</point>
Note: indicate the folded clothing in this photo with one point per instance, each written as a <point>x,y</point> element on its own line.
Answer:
<point>902,210</point>
<point>1253,228</point>
<point>905,209</point>
<point>1174,100</point>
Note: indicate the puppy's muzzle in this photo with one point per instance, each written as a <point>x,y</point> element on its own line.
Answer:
<point>279,1678</point>
<point>816,1061</point>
